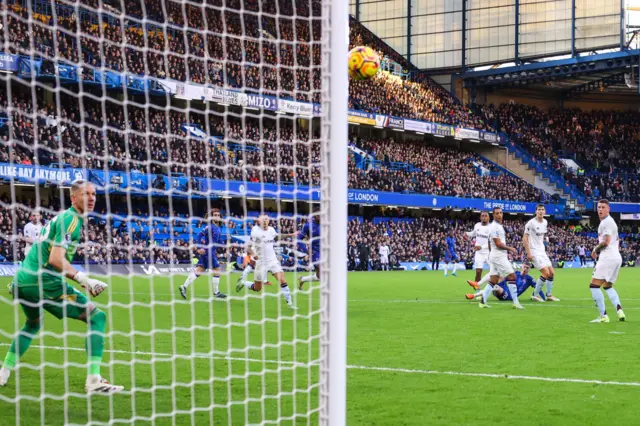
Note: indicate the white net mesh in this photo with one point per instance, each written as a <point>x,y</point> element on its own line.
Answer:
<point>172,110</point>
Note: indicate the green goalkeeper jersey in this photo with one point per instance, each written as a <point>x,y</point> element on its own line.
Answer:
<point>64,230</point>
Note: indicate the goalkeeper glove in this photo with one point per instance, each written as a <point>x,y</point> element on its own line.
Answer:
<point>95,287</point>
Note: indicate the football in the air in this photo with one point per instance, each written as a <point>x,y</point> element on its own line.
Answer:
<point>364,63</point>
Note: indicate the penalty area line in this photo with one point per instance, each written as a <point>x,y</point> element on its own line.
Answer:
<point>315,363</point>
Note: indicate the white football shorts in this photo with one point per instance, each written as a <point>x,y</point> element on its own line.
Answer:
<point>500,266</point>
<point>607,269</point>
<point>261,273</point>
<point>479,259</point>
<point>541,260</point>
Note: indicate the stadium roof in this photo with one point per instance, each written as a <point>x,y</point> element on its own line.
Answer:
<point>615,72</point>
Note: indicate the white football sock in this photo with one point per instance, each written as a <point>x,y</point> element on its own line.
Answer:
<point>613,296</point>
<point>486,293</point>
<point>598,297</point>
<point>549,287</point>
<point>190,279</point>
<point>539,284</point>
<point>216,284</point>
<point>286,292</point>
<point>484,279</point>
<point>446,268</point>
<point>309,278</point>
<point>246,272</point>
<point>455,266</point>
<point>513,289</point>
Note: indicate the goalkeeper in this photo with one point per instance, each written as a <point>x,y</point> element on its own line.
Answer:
<point>40,285</point>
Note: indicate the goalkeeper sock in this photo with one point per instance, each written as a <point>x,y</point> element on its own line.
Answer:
<point>20,344</point>
<point>190,279</point>
<point>539,284</point>
<point>95,340</point>
<point>286,292</point>
<point>216,284</point>
<point>246,272</point>
<point>486,293</point>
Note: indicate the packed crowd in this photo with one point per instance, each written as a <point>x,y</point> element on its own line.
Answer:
<point>605,143</point>
<point>143,236</point>
<point>411,240</point>
<point>254,149</point>
<point>275,52</point>
<point>101,243</point>
<point>272,48</point>
<point>436,171</point>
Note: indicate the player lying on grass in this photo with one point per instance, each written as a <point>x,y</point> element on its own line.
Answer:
<point>40,285</point>
<point>263,238</point>
<point>207,240</point>
<point>501,291</point>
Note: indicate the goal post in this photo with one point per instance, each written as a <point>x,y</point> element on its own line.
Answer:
<point>335,201</point>
<point>173,110</point>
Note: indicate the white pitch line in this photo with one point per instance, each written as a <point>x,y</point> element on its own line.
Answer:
<point>370,368</point>
<point>496,376</point>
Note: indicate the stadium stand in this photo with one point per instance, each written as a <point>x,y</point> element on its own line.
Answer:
<point>410,239</point>
<point>146,141</point>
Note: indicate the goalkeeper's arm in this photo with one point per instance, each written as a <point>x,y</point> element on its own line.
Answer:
<point>59,262</point>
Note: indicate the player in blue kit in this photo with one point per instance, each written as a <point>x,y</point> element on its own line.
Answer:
<point>206,242</point>
<point>311,232</point>
<point>450,256</point>
<point>524,281</point>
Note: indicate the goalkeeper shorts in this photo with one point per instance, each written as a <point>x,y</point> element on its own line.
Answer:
<point>60,301</point>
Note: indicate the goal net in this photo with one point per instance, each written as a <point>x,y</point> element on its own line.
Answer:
<point>173,112</point>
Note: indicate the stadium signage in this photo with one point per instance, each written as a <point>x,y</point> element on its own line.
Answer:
<point>467,133</point>
<point>9,63</point>
<point>443,130</point>
<point>442,202</point>
<point>489,137</point>
<point>361,117</point>
<point>263,102</point>
<point>367,197</point>
<point>395,123</point>
<point>8,270</point>
<point>294,107</point>
<point>30,173</point>
<point>417,126</point>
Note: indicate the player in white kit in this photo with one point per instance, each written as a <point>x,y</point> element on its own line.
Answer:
<point>608,263</point>
<point>499,264</point>
<point>32,231</point>
<point>263,239</point>
<point>480,234</point>
<point>535,235</point>
<point>384,252</point>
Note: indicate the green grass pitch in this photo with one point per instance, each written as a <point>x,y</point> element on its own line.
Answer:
<point>418,354</point>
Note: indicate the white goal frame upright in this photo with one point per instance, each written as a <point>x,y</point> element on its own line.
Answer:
<point>334,207</point>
